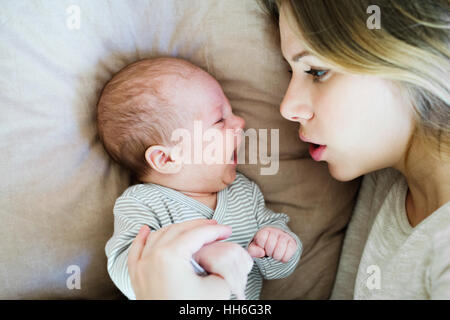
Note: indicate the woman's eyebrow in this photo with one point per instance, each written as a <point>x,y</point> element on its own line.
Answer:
<point>300,55</point>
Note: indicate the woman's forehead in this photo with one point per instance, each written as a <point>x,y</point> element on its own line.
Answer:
<point>291,43</point>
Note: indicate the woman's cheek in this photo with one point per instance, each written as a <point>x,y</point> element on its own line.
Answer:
<point>347,152</point>
<point>342,165</point>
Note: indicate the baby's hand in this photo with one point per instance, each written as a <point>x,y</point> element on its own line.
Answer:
<point>228,260</point>
<point>272,242</point>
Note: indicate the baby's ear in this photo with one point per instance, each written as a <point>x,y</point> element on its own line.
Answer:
<point>158,157</point>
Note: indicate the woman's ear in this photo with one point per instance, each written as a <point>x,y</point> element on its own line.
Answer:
<point>158,157</point>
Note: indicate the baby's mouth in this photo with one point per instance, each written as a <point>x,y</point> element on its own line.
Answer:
<point>233,158</point>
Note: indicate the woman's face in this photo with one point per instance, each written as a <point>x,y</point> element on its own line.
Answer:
<point>357,124</point>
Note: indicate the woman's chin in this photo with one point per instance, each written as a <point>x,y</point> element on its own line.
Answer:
<point>343,174</point>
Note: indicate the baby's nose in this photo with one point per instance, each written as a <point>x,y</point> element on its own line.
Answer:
<point>239,123</point>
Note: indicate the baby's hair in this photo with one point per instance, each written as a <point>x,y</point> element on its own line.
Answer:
<point>134,111</point>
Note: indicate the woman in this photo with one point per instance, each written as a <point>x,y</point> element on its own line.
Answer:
<point>375,102</point>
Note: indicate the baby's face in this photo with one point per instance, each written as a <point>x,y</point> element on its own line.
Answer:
<point>215,134</point>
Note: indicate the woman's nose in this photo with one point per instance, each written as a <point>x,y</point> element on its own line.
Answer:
<point>296,104</point>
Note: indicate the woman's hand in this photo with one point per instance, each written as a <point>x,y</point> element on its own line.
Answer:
<point>230,261</point>
<point>159,262</point>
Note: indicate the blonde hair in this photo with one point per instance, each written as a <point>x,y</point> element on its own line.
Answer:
<point>411,49</point>
<point>134,111</point>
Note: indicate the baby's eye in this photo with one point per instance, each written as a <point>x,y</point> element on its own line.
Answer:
<point>317,74</point>
<point>220,121</point>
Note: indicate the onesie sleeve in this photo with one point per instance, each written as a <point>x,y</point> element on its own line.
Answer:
<point>130,214</point>
<point>269,267</point>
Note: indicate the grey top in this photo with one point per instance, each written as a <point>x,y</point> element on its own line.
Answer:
<point>383,256</point>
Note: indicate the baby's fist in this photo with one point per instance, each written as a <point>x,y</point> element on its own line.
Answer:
<point>272,242</point>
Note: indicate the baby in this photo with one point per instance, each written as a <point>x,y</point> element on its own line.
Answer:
<point>138,112</point>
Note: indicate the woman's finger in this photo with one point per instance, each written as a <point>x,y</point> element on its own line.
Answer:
<point>134,254</point>
<point>213,287</point>
<point>191,224</point>
<point>192,240</point>
<point>170,235</point>
<point>245,264</point>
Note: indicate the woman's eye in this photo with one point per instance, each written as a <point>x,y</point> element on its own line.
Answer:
<point>317,74</point>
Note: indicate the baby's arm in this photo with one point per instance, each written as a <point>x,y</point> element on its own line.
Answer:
<point>276,239</point>
<point>129,216</point>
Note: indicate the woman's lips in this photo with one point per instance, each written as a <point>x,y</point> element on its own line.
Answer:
<point>315,150</point>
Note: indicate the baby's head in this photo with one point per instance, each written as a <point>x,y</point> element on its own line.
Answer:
<point>142,105</point>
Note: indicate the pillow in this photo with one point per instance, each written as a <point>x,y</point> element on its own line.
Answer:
<point>58,185</point>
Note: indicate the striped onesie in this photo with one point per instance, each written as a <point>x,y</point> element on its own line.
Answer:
<point>240,205</point>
